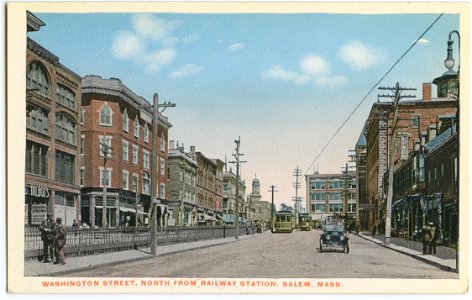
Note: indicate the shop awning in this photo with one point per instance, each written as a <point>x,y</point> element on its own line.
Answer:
<point>127,209</point>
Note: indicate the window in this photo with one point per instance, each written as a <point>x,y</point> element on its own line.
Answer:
<point>443,89</point>
<point>318,196</point>
<point>163,166</point>
<point>453,87</point>
<point>335,196</point>
<point>415,121</point>
<point>125,152</point>
<point>82,171</point>
<point>335,207</point>
<point>65,167</point>
<point>37,79</point>
<point>125,179</point>
<point>146,183</point>
<point>162,191</point>
<point>65,129</point>
<point>36,158</point>
<point>335,184</point>
<point>319,208</point>
<point>317,185</point>
<point>146,133</point>
<point>105,177</point>
<point>65,97</point>
<point>82,116</point>
<point>135,154</point>
<point>136,127</point>
<point>146,159</point>
<point>37,119</point>
<point>106,146</point>
<point>125,121</point>
<point>135,182</point>
<point>82,150</point>
<point>105,116</point>
<point>163,143</point>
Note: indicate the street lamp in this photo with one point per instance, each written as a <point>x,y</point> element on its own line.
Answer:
<point>106,150</point>
<point>449,61</point>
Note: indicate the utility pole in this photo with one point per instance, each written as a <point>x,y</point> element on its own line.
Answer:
<point>397,90</point>
<point>107,150</point>
<point>237,161</point>
<point>154,200</point>
<point>272,189</point>
<point>297,173</point>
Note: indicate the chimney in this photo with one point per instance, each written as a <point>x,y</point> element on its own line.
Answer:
<point>192,150</point>
<point>426,92</point>
<point>432,132</point>
<point>171,144</point>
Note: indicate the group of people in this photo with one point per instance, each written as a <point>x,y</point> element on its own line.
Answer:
<point>53,235</point>
<point>430,236</point>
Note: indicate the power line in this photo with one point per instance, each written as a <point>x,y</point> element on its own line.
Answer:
<point>370,91</point>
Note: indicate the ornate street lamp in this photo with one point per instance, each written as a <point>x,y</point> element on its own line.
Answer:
<point>449,61</point>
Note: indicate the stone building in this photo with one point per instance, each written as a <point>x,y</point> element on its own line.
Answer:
<point>229,196</point>
<point>362,207</point>
<point>116,151</point>
<point>259,210</point>
<point>53,95</point>
<point>182,184</point>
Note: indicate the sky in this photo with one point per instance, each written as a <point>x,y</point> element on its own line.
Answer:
<point>283,83</point>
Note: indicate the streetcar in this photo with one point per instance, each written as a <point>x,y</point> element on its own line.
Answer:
<point>284,221</point>
<point>304,222</point>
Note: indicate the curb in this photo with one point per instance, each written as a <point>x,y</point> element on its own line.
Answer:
<point>416,256</point>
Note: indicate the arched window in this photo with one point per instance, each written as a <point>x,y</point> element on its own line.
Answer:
<point>37,79</point>
<point>443,89</point>
<point>453,87</point>
<point>136,127</point>
<point>65,97</point>
<point>146,133</point>
<point>125,121</point>
<point>146,183</point>
<point>65,129</point>
<point>105,115</point>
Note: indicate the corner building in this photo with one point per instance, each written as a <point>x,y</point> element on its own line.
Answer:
<point>52,135</point>
<point>114,118</point>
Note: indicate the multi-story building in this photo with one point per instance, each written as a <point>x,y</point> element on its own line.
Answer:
<point>415,118</point>
<point>362,207</point>
<point>259,210</point>
<point>331,194</point>
<point>209,187</point>
<point>53,95</point>
<point>116,151</point>
<point>230,198</point>
<point>182,184</point>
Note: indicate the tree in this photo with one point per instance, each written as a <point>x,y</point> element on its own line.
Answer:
<point>284,206</point>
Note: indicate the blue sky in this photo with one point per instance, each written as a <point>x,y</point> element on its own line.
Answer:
<point>283,82</point>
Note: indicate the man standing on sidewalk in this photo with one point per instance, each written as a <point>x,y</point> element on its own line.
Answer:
<point>48,229</point>
<point>434,238</point>
<point>426,232</point>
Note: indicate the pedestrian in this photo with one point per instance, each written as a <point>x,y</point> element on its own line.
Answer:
<point>374,229</point>
<point>48,229</point>
<point>60,241</point>
<point>434,238</point>
<point>426,232</point>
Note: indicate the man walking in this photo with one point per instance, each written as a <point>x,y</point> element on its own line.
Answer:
<point>426,232</point>
<point>60,242</point>
<point>434,238</point>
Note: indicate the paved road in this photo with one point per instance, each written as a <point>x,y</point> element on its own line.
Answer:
<point>294,255</point>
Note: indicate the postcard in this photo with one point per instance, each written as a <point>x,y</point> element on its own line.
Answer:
<point>238,147</point>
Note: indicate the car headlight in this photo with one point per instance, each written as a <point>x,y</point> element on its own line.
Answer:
<point>328,237</point>
<point>342,237</point>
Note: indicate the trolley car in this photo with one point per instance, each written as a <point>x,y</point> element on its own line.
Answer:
<point>304,222</point>
<point>284,221</point>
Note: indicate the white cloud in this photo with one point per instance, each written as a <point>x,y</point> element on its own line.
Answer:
<point>279,72</point>
<point>192,38</point>
<point>236,47</point>
<point>423,41</point>
<point>314,65</point>
<point>186,70</point>
<point>331,81</point>
<point>158,58</point>
<point>126,45</point>
<point>359,56</point>
<point>151,27</point>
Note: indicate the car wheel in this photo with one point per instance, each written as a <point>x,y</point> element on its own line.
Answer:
<point>321,246</point>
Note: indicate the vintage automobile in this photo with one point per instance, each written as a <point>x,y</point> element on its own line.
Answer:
<point>334,236</point>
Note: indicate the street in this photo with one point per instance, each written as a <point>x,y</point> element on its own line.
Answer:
<point>294,255</point>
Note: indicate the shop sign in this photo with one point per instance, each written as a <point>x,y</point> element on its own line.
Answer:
<point>404,147</point>
<point>39,191</point>
<point>38,213</point>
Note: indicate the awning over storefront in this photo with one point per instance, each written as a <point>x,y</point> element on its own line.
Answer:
<point>204,218</point>
<point>127,209</point>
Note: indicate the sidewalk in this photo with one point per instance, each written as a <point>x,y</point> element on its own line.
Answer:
<point>444,259</point>
<point>78,263</point>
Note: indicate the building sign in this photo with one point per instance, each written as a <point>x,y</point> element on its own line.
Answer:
<point>404,147</point>
<point>39,191</point>
<point>38,213</point>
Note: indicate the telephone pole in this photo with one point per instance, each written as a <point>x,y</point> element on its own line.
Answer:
<point>397,90</point>
<point>272,189</point>
<point>298,200</point>
<point>237,161</point>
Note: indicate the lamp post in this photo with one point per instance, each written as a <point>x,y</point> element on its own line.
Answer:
<point>106,150</point>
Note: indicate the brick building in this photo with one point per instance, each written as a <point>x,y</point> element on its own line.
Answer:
<point>362,207</point>
<point>229,196</point>
<point>53,95</point>
<point>209,187</point>
<point>116,151</point>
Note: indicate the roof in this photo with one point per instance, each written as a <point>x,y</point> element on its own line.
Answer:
<point>440,139</point>
<point>362,140</point>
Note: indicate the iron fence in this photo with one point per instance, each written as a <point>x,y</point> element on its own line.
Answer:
<point>94,241</point>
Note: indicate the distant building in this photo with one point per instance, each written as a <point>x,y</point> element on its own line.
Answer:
<point>209,187</point>
<point>229,196</point>
<point>260,210</point>
<point>331,194</point>
<point>363,206</point>
<point>53,95</point>
<point>115,118</point>
<point>182,184</point>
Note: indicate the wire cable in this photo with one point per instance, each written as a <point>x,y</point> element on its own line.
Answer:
<point>370,91</point>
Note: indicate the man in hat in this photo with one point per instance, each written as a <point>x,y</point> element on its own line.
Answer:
<point>60,242</point>
<point>434,237</point>
<point>426,233</point>
<point>48,229</point>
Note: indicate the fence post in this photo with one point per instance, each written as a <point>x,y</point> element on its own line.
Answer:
<point>224,231</point>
